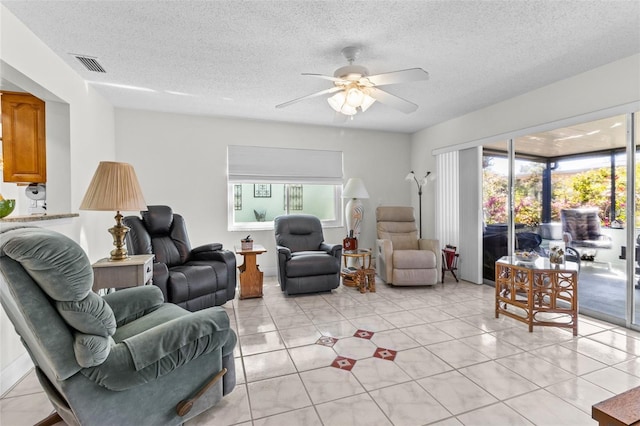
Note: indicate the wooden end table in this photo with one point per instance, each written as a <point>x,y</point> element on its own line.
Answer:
<point>134,271</point>
<point>364,278</point>
<point>250,276</point>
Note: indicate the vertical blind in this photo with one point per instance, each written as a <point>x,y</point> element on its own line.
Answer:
<point>248,164</point>
<point>448,199</point>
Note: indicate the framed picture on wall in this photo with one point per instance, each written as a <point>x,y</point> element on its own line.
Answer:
<point>262,190</point>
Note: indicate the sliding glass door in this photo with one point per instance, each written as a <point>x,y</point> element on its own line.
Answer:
<point>573,186</point>
<point>634,267</point>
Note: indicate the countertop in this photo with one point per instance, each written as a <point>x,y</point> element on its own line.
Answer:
<point>37,217</point>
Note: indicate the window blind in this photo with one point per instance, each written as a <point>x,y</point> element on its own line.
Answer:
<point>447,199</point>
<point>248,164</point>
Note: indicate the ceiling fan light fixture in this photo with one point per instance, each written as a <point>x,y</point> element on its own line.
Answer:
<point>337,101</point>
<point>367,101</point>
<point>348,110</point>
<point>354,97</point>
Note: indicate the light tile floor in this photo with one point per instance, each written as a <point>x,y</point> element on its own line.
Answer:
<point>401,356</point>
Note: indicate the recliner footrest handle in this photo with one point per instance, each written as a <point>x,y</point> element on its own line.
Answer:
<point>185,405</point>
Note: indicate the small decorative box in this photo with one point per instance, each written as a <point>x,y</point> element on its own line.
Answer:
<point>246,243</point>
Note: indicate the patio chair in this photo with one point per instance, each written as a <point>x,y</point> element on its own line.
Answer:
<point>581,230</point>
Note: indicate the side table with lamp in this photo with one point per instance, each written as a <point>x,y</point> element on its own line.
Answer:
<point>364,277</point>
<point>115,187</point>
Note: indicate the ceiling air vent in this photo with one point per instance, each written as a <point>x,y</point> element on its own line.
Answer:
<point>90,63</point>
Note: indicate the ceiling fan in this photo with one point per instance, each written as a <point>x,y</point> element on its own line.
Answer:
<point>355,90</point>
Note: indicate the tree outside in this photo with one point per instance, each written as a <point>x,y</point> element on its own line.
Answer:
<point>587,188</point>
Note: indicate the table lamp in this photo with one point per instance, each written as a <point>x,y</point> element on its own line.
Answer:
<point>354,211</point>
<point>115,187</point>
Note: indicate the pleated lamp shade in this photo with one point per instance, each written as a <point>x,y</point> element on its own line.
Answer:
<point>114,187</point>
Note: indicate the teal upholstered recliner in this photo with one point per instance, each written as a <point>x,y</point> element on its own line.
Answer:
<point>125,358</point>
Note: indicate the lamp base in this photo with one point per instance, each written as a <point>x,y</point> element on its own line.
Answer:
<point>119,231</point>
<point>354,213</point>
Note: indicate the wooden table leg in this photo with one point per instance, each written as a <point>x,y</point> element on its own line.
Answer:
<point>251,277</point>
<point>372,280</point>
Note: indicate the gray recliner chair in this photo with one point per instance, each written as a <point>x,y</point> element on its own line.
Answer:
<point>306,264</point>
<point>123,359</point>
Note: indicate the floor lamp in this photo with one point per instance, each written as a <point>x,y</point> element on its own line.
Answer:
<point>354,211</point>
<point>420,183</point>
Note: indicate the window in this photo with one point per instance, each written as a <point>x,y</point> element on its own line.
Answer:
<point>264,183</point>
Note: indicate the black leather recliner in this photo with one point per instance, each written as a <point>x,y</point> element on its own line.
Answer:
<point>191,278</point>
<point>306,264</point>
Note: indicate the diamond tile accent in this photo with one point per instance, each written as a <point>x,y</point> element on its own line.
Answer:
<point>327,341</point>
<point>364,334</point>
<point>343,363</point>
<point>388,354</point>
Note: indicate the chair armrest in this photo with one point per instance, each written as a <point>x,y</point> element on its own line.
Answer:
<point>434,246</point>
<point>334,250</point>
<point>215,253</point>
<point>132,303</point>
<point>162,349</point>
<point>384,259</point>
<point>202,252</point>
<point>284,252</point>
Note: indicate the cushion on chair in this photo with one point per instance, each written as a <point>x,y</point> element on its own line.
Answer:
<point>395,214</point>
<point>91,315</point>
<point>59,265</point>
<point>134,303</point>
<point>387,229</point>
<point>158,220</point>
<point>191,281</point>
<point>91,350</point>
<point>414,259</point>
<point>405,277</point>
<point>304,264</point>
<point>298,232</point>
<point>166,251</point>
<point>404,242</point>
<point>593,226</point>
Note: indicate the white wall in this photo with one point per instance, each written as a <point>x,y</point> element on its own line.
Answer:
<point>605,87</point>
<point>181,161</point>
<point>29,64</point>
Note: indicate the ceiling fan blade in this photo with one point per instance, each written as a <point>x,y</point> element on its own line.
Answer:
<point>326,77</point>
<point>313,95</point>
<point>395,77</point>
<point>392,100</point>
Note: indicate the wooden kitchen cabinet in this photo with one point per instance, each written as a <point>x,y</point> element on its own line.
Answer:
<point>23,138</point>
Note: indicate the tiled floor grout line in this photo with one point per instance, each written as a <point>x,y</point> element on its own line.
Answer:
<point>397,309</point>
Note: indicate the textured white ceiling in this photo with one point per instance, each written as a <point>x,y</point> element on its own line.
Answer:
<point>241,58</point>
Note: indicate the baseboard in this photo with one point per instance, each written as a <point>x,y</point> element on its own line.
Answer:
<point>15,371</point>
<point>270,271</point>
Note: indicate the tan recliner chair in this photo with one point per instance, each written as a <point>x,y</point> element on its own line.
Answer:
<point>402,258</point>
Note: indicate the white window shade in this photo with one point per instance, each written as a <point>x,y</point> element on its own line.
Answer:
<point>249,164</point>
